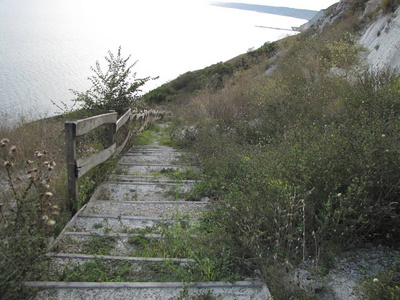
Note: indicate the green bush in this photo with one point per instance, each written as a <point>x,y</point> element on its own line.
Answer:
<point>114,90</point>
<point>385,286</point>
<point>268,49</point>
<point>164,93</point>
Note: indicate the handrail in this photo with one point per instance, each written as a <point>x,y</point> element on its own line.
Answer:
<point>77,167</point>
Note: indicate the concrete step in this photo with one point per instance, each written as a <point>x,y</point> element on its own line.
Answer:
<point>70,259</point>
<point>150,170</point>
<point>142,191</point>
<point>124,224</point>
<point>125,244</point>
<point>95,268</point>
<point>116,244</point>
<point>158,179</point>
<point>74,259</point>
<point>167,209</point>
<point>161,158</point>
<point>243,290</point>
<point>152,149</point>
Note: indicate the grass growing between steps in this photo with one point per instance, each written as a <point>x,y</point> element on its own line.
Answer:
<point>157,131</point>
<point>144,138</point>
<point>99,270</point>
<point>208,258</point>
<point>179,174</point>
<point>177,241</point>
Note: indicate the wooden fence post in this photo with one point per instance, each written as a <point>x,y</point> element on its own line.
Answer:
<point>112,129</point>
<point>70,135</point>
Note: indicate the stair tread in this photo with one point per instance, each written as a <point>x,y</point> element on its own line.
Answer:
<point>115,257</point>
<point>147,208</point>
<point>132,191</point>
<point>150,290</point>
<point>123,224</point>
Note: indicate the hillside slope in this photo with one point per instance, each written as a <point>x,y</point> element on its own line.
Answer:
<point>302,164</point>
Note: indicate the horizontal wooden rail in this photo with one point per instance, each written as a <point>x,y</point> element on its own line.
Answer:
<point>76,168</point>
<point>86,125</point>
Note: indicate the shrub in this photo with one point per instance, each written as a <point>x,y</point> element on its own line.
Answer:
<point>358,5</point>
<point>114,90</point>
<point>164,93</point>
<point>318,169</point>
<point>385,286</point>
<point>390,6</point>
<point>342,54</point>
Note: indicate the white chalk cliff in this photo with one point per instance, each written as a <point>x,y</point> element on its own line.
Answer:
<point>381,38</point>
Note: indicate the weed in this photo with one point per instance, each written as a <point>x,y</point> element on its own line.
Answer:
<point>144,138</point>
<point>29,215</point>
<point>97,225</point>
<point>100,270</point>
<point>99,245</point>
<point>179,174</point>
<point>184,295</point>
<point>385,286</point>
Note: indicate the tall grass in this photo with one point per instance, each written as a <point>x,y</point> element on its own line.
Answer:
<point>34,205</point>
<point>304,163</point>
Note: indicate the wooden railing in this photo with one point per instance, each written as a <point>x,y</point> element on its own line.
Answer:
<point>77,167</point>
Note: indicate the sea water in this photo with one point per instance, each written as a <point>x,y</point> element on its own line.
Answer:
<point>47,47</point>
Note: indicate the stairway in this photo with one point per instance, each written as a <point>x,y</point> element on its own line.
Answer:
<point>104,253</point>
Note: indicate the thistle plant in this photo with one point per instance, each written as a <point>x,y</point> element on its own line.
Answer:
<point>28,200</point>
<point>28,216</point>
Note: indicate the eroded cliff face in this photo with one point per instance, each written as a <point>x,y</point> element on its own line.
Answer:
<point>380,38</point>
<point>382,41</point>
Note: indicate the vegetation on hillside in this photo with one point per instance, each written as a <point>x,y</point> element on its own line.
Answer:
<point>304,163</point>
<point>212,77</point>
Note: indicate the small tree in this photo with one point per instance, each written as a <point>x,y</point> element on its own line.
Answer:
<point>117,89</point>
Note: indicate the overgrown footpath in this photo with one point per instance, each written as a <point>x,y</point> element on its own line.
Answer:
<point>142,235</point>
